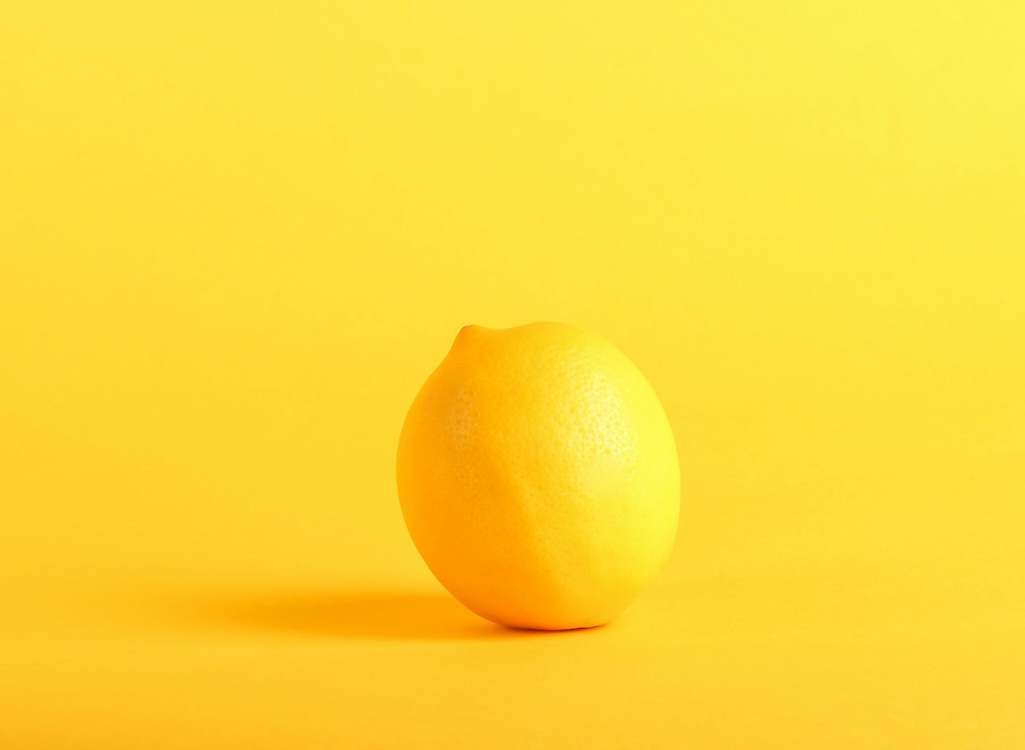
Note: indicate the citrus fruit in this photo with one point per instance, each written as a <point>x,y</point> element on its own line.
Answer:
<point>538,476</point>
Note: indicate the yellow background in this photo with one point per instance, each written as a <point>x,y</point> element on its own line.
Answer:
<point>235,237</point>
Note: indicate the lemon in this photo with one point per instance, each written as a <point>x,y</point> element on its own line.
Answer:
<point>538,476</point>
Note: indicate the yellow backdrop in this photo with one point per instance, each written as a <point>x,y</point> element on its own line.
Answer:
<point>235,237</point>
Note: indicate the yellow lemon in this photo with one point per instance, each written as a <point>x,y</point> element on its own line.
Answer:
<point>538,476</point>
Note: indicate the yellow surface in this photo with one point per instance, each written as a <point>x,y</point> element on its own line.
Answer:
<point>235,236</point>
<point>538,476</point>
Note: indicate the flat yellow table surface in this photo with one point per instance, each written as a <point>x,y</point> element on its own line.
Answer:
<point>236,237</point>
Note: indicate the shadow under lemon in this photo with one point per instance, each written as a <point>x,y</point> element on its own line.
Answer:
<point>370,616</point>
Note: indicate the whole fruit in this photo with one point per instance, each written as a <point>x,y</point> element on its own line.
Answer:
<point>538,476</point>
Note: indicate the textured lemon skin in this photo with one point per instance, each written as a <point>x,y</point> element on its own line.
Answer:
<point>538,476</point>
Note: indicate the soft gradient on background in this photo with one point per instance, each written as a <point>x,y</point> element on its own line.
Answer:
<point>236,237</point>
